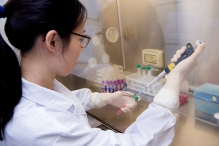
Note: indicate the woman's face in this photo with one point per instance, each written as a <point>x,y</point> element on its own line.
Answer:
<point>69,57</point>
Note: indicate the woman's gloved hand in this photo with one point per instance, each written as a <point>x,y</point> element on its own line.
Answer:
<point>168,96</point>
<point>123,100</point>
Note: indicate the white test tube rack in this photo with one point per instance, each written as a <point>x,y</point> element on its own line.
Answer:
<point>137,82</point>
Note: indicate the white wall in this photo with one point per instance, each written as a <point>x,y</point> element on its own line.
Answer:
<point>187,21</point>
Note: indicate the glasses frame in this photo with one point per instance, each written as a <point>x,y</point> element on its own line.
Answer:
<point>85,36</point>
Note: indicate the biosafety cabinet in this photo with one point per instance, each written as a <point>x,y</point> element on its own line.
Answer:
<point>133,41</point>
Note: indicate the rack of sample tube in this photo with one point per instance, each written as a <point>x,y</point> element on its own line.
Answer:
<point>137,82</point>
<point>110,86</point>
<point>111,78</point>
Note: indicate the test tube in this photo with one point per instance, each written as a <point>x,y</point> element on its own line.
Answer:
<point>120,111</point>
<point>149,70</point>
<point>143,70</point>
<point>138,66</point>
<point>118,84</point>
<point>122,84</point>
<point>104,87</point>
<point>130,101</point>
<point>116,87</point>
<point>125,86</point>
<point>107,87</point>
<point>111,86</point>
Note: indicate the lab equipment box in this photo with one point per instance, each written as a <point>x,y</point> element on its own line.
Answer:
<point>206,98</point>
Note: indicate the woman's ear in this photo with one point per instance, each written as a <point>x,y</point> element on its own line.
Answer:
<point>53,41</point>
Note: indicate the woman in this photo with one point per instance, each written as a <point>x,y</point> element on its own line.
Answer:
<point>37,110</point>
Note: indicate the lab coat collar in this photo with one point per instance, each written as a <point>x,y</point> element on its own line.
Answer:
<point>60,97</point>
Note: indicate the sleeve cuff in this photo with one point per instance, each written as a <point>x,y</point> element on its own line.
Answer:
<point>97,100</point>
<point>167,98</point>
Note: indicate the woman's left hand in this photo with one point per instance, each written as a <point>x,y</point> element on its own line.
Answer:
<point>123,100</point>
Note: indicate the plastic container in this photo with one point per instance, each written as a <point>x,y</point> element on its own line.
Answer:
<point>138,66</point>
<point>143,70</point>
<point>149,71</point>
<point>206,98</point>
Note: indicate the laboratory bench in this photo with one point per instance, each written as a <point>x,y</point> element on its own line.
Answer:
<point>193,128</point>
<point>190,130</point>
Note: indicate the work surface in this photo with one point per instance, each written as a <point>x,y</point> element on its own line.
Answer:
<point>188,130</point>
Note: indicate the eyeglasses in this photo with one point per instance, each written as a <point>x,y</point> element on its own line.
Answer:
<point>84,41</point>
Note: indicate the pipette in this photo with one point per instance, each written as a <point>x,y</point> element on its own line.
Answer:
<point>188,52</point>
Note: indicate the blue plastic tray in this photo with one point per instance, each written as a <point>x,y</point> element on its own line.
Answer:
<point>207,98</point>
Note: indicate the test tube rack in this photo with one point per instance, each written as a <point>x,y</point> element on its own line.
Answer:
<point>137,82</point>
<point>110,73</point>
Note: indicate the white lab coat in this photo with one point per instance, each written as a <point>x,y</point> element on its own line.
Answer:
<point>57,118</point>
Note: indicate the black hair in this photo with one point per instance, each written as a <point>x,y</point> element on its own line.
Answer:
<point>26,21</point>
